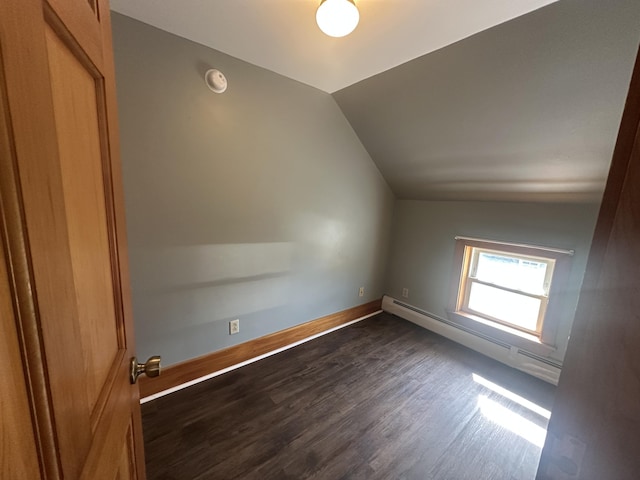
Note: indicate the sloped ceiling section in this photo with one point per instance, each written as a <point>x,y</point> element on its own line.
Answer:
<point>525,111</point>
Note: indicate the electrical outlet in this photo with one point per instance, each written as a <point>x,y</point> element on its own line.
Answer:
<point>405,292</point>
<point>234,327</point>
<point>361,292</point>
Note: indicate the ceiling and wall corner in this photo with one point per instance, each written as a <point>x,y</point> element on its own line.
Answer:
<point>241,205</point>
<point>525,111</point>
<point>282,35</point>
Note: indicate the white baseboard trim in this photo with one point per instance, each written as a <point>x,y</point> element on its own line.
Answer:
<point>542,368</point>
<point>251,360</point>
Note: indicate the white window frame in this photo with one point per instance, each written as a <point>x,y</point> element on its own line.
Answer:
<point>549,313</point>
<point>472,255</point>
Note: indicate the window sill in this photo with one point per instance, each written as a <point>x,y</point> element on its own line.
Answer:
<point>512,336</point>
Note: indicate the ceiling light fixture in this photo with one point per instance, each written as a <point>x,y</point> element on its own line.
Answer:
<point>337,18</point>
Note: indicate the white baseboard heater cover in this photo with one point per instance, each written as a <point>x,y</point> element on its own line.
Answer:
<point>540,367</point>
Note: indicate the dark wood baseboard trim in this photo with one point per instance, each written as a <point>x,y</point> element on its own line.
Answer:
<point>201,366</point>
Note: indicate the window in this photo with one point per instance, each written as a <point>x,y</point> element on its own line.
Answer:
<point>509,287</point>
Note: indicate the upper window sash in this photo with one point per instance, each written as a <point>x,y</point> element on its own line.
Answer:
<point>474,254</point>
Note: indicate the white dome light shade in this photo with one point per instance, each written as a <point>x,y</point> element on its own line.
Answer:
<point>337,18</point>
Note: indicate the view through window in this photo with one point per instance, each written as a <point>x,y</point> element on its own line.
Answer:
<point>507,284</point>
<point>508,288</point>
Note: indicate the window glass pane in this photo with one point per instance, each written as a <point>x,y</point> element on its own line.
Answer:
<point>519,310</point>
<point>527,275</point>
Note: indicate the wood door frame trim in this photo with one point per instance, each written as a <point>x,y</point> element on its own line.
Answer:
<point>198,367</point>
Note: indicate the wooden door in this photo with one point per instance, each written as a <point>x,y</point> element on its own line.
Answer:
<point>63,238</point>
<point>594,430</point>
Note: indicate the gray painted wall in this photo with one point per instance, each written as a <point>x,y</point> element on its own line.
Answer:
<point>423,243</point>
<point>259,204</point>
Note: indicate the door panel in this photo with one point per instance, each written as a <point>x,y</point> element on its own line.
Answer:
<point>83,23</point>
<point>62,204</point>
<point>125,468</point>
<point>76,118</point>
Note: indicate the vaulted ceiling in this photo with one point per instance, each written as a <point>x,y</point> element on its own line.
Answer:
<point>453,99</point>
<point>282,36</point>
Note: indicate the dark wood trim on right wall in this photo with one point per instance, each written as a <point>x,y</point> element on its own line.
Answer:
<point>622,154</point>
<point>594,431</point>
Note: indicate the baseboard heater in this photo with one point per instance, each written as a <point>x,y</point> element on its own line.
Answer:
<point>540,367</point>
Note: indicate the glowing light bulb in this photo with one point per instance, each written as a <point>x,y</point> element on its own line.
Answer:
<point>337,18</point>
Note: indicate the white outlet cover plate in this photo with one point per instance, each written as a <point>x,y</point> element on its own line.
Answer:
<point>234,327</point>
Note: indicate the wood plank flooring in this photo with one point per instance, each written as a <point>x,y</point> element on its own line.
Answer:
<point>381,399</point>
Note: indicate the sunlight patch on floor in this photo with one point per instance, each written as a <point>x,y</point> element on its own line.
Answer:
<point>543,412</point>
<point>513,422</point>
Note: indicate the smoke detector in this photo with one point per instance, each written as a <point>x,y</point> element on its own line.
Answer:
<point>216,80</point>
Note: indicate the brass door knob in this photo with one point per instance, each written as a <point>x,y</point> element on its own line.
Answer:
<point>151,368</point>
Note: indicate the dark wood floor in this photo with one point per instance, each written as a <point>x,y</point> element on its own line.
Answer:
<point>381,399</point>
